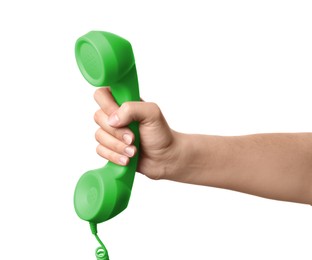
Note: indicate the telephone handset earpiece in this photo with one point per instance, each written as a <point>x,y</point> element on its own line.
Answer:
<point>106,59</point>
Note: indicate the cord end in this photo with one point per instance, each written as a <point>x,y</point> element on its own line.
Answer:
<point>93,227</point>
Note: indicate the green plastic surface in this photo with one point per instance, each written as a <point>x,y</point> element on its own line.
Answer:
<point>105,59</point>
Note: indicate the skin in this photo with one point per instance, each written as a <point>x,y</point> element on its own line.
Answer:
<point>276,166</point>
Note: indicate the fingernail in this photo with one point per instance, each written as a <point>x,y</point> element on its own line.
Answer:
<point>127,138</point>
<point>129,151</point>
<point>123,160</point>
<point>113,120</point>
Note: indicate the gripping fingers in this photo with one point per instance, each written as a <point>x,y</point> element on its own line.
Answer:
<point>111,143</point>
<point>123,134</point>
<point>111,155</point>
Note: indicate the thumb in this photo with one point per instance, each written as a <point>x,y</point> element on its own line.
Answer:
<point>143,112</point>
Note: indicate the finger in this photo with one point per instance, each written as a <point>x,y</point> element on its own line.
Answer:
<point>123,134</point>
<point>105,100</point>
<point>143,112</point>
<point>111,155</point>
<point>111,143</point>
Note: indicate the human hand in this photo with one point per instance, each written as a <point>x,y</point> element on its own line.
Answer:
<point>276,166</point>
<point>158,143</point>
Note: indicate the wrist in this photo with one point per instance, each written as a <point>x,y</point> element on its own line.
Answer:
<point>174,162</point>
<point>186,159</point>
<point>200,159</point>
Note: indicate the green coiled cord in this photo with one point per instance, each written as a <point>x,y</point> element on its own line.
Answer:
<point>101,252</point>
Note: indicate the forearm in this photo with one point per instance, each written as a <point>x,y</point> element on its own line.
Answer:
<point>277,166</point>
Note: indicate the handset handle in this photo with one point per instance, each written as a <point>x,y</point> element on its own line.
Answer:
<point>107,59</point>
<point>127,89</point>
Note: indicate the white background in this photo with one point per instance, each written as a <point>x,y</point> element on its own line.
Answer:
<point>214,67</point>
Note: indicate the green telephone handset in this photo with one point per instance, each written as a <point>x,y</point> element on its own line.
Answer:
<point>106,59</point>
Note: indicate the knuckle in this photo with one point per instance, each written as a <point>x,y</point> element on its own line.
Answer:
<point>98,134</point>
<point>96,116</point>
<point>156,110</point>
<point>98,150</point>
<point>115,132</point>
<point>110,155</point>
<point>126,107</point>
